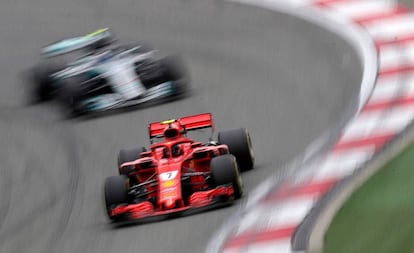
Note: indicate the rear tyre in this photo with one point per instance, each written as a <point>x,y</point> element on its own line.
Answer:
<point>115,192</point>
<point>128,155</point>
<point>44,87</point>
<point>224,170</point>
<point>174,70</point>
<point>71,97</point>
<point>239,143</point>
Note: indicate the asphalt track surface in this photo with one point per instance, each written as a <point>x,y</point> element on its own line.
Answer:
<point>285,80</point>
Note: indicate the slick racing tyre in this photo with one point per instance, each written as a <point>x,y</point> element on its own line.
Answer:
<point>224,170</point>
<point>115,192</point>
<point>128,155</point>
<point>44,87</point>
<point>71,97</point>
<point>173,67</point>
<point>174,70</point>
<point>239,143</point>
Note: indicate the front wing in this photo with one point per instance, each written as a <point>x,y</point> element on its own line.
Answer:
<point>198,201</point>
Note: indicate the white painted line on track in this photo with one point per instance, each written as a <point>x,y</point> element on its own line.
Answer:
<point>356,9</point>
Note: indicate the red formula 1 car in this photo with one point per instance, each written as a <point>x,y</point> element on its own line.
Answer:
<point>177,174</point>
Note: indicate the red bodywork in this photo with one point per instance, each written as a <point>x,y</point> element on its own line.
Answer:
<point>177,159</point>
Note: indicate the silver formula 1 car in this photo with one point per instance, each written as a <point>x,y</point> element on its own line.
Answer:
<point>107,76</point>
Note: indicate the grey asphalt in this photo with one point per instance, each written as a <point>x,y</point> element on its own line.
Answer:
<point>285,80</point>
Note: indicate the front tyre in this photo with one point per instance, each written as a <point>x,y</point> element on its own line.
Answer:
<point>72,98</point>
<point>44,86</point>
<point>115,192</point>
<point>240,145</point>
<point>224,170</point>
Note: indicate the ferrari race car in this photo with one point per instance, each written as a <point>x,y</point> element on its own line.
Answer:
<point>178,175</point>
<point>106,76</point>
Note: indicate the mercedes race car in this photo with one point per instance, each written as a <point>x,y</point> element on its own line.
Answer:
<point>106,76</point>
<point>178,175</point>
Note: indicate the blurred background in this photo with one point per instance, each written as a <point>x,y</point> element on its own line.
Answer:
<point>285,80</point>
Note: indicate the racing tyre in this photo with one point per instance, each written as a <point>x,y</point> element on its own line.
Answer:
<point>71,97</point>
<point>224,170</point>
<point>128,155</point>
<point>115,192</point>
<point>44,88</point>
<point>174,70</point>
<point>239,143</point>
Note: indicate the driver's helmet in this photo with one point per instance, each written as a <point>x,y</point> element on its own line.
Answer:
<point>176,150</point>
<point>212,143</point>
<point>172,132</point>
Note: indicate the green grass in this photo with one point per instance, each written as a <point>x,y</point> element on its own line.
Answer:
<point>379,217</point>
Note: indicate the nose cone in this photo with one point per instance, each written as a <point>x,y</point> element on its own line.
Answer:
<point>169,203</point>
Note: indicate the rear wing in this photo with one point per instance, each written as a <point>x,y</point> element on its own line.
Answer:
<point>188,123</point>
